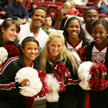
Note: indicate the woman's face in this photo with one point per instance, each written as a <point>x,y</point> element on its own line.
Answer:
<point>30,51</point>
<point>73,29</point>
<point>55,47</point>
<point>99,33</point>
<point>9,34</point>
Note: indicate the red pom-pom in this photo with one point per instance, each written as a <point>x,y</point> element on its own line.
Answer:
<point>62,87</point>
<point>61,71</point>
<point>12,50</point>
<point>82,53</point>
<point>97,81</point>
<point>44,89</point>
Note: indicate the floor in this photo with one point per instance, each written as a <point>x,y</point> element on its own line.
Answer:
<point>40,103</point>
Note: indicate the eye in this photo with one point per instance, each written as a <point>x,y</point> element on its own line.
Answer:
<point>29,48</point>
<point>36,49</point>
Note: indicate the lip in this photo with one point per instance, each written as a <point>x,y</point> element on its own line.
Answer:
<point>13,37</point>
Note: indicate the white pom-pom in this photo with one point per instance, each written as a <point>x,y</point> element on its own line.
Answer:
<point>53,86</point>
<point>35,85</point>
<point>84,74</point>
<point>52,97</point>
<point>3,55</point>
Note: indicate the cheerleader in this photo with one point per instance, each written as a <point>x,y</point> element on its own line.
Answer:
<point>10,96</point>
<point>97,52</point>
<point>75,40</point>
<point>53,54</point>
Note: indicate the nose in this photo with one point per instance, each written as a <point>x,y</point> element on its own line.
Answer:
<point>39,17</point>
<point>74,28</point>
<point>56,48</point>
<point>34,51</point>
<point>97,34</point>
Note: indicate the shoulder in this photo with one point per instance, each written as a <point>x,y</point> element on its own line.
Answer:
<point>23,6</point>
<point>86,42</point>
<point>89,47</point>
<point>10,62</point>
<point>12,59</point>
<point>10,5</point>
<point>43,33</point>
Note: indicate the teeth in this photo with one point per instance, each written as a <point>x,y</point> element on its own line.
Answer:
<point>38,21</point>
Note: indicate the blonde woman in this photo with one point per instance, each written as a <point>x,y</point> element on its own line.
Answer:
<point>55,52</point>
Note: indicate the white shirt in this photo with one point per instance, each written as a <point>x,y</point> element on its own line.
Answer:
<point>87,35</point>
<point>42,37</point>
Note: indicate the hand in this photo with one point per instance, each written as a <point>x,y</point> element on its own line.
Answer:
<point>21,21</point>
<point>1,64</point>
<point>63,13</point>
<point>25,82</point>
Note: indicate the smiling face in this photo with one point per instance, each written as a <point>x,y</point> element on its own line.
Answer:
<point>73,29</point>
<point>9,34</point>
<point>99,34</point>
<point>30,51</point>
<point>38,18</point>
<point>55,47</point>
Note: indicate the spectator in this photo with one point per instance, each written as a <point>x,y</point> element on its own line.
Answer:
<point>17,11</point>
<point>73,11</point>
<point>47,24</point>
<point>34,28</point>
<point>90,16</point>
<point>103,9</point>
<point>59,24</point>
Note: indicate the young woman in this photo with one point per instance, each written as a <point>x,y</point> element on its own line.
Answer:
<point>74,35</point>
<point>75,39</point>
<point>98,52</point>
<point>8,32</point>
<point>9,89</point>
<point>55,52</point>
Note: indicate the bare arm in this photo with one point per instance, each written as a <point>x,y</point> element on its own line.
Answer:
<point>61,16</point>
<point>99,4</point>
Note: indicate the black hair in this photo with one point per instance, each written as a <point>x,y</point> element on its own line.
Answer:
<point>29,39</point>
<point>6,24</point>
<point>86,11</point>
<point>47,17</point>
<point>101,21</point>
<point>66,35</point>
<point>38,7</point>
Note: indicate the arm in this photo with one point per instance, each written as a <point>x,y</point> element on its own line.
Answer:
<point>25,15</point>
<point>62,15</point>
<point>7,77</point>
<point>9,12</point>
<point>99,4</point>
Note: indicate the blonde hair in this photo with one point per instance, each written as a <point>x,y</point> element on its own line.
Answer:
<point>44,57</point>
<point>67,5</point>
<point>72,2</point>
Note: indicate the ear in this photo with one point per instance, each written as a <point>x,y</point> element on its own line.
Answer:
<point>22,49</point>
<point>3,30</point>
